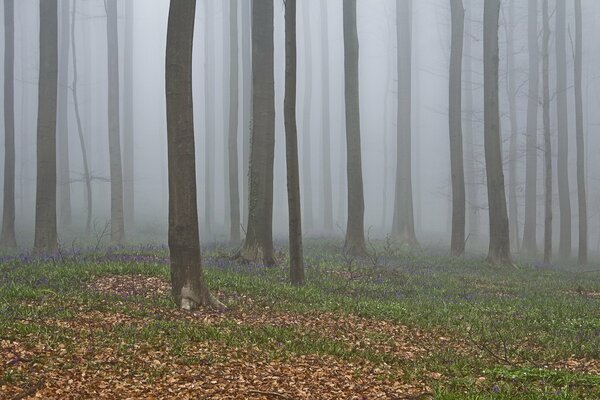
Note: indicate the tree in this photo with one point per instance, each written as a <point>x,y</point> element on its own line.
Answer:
<point>258,245</point>
<point>291,147</point>
<point>529,233</point>
<point>403,227</point>
<point>326,123</point>
<point>117,222</point>
<point>64,179</point>
<point>547,135</point>
<point>499,248</point>
<point>7,238</point>
<point>355,235</point>
<point>562,167</point>
<point>306,120</point>
<point>209,92</point>
<point>581,192</point>
<point>457,246</point>
<point>234,193</point>
<point>188,286</point>
<point>128,125</point>
<point>45,202</point>
<point>246,19</point>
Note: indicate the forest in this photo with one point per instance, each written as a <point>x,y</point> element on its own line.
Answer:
<point>315,199</point>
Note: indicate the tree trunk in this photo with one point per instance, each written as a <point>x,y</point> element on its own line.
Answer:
<point>564,199</point>
<point>306,121</point>
<point>457,246</point>
<point>64,178</point>
<point>209,95</point>
<point>499,248</point>
<point>355,235</point>
<point>547,136</point>
<point>117,223</point>
<point>581,192</point>
<point>188,286</point>
<point>45,216</point>
<point>246,26</point>
<point>403,227</point>
<point>7,238</point>
<point>326,123</point>
<point>291,147</point>
<point>234,194</point>
<point>128,125</point>
<point>530,230</point>
<point>258,246</point>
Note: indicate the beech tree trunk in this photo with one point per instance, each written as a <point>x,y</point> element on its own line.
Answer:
<point>326,123</point>
<point>499,248</point>
<point>530,230</point>
<point>581,191</point>
<point>209,95</point>
<point>7,238</point>
<point>306,121</point>
<point>547,135</point>
<point>246,26</point>
<point>64,178</point>
<point>46,240</point>
<point>234,191</point>
<point>355,235</point>
<point>457,244</point>
<point>291,147</point>
<point>188,286</point>
<point>128,125</point>
<point>258,245</point>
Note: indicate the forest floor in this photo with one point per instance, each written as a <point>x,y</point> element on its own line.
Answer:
<point>396,325</point>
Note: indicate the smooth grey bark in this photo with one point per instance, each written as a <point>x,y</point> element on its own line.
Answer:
<point>74,90</point>
<point>562,168</point>
<point>403,226</point>
<point>291,147</point>
<point>530,229</point>
<point>258,245</point>
<point>326,123</point>
<point>306,121</point>
<point>547,134</point>
<point>46,240</point>
<point>355,235</point>
<point>209,93</point>
<point>7,237</point>
<point>64,178</point>
<point>234,191</point>
<point>499,247</point>
<point>188,286</point>
<point>225,79</point>
<point>457,243</point>
<point>128,124</point>
<point>246,27</point>
<point>117,222</point>
<point>581,190</point>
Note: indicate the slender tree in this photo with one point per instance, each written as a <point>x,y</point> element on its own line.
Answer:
<point>499,249</point>
<point>306,120</point>
<point>326,123</point>
<point>562,168</point>
<point>403,227</point>
<point>209,93</point>
<point>188,286</point>
<point>234,193</point>
<point>64,178</point>
<point>547,134</point>
<point>258,245</point>
<point>7,238</point>
<point>246,22</point>
<point>529,233</point>
<point>355,231</point>
<point>128,125</point>
<point>581,191</point>
<point>457,246</point>
<point>45,208</point>
<point>291,146</point>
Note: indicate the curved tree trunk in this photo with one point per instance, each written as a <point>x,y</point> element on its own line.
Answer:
<point>457,244</point>
<point>326,123</point>
<point>46,240</point>
<point>234,191</point>
<point>188,286</point>
<point>547,135</point>
<point>499,249</point>
<point>306,121</point>
<point>64,178</point>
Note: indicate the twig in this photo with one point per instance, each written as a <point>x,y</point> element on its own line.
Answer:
<point>29,392</point>
<point>273,394</point>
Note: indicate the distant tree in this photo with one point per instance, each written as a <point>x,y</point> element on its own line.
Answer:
<point>128,125</point>
<point>581,191</point>
<point>245,24</point>
<point>529,233</point>
<point>306,121</point>
<point>403,226</point>
<point>188,285</point>
<point>117,222</point>
<point>234,192</point>
<point>291,147</point>
<point>258,245</point>
<point>562,169</point>
<point>326,123</point>
<point>7,238</point>
<point>499,249</point>
<point>64,178</point>
<point>45,208</point>
<point>547,134</point>
<point>209,104</point>
<point>457,246</point>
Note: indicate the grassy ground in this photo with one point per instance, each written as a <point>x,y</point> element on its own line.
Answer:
<point>395,325</point>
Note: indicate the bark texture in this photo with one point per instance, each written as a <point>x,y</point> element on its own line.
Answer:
<point>326,123</point>
<point>234,191</point>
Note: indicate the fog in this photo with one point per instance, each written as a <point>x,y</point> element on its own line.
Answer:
<point>432,194</point>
